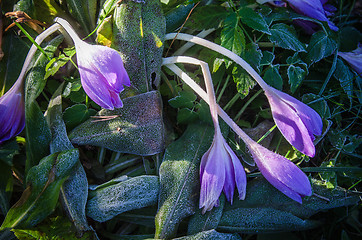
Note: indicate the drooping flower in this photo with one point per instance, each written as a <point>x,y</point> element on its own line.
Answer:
<point>296,121</point>
<point>317,9</point>
<point>354,58</point>
<point>220,170</point>
<point>281,173</point>
<point>12,112</point>
<point>101,69</point>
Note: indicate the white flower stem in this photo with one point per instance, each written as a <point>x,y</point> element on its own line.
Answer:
<point>188,45</point>
<point>69,29</point>
<point>221,50</point>
<point>39,39</point>
<point>170,63</point>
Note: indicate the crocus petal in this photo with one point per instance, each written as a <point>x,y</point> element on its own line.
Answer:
<point>12,113</point>
<point>296,121</point>
<point>281,173</point>
<point>102,74</point>
<point>220,170</point>
<point>212,177</point>
<point>354,59</point>
<point>239,172</point>
<point>313,9</point>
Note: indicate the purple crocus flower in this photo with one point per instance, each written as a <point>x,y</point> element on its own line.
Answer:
<point>316,9</point>
<point>281,173</point>
<point>220,170</point>
<point>354,58</point>
<point>101,69</point>
<point>296,121</point>
<point>102,74</point>
<point>12,112</point>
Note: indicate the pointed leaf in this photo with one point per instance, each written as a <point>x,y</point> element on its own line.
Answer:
<point>345,78</point>
<point>273,78</point>
<point>36,128</point>
<point>284,36</point>
<point>254,20</point>
<point>41,195</point>
<point>232,36</point>
<point>138,33</point>
<point>296,76</point>
<point>74,191</point>
<point>321,45</point>
<point>134,193</point>
<point>179,177</point>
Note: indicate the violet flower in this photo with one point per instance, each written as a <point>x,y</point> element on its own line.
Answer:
<point>281,173</point>
<point>354,58</point>
<point>101,69</point>
<point>317,9</point>
<point>220,170</point>
<point>12,112</point>
<point>296,121</point>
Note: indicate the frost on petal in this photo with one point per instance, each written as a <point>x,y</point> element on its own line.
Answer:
<point>92,84</point>
<point>281,173</point>
<point>291,124</point>
<point>102,74</point>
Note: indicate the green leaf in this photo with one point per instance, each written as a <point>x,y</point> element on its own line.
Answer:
<point>206,17</point>
<point>253,55</point>
<point>85,13</point>
<point>267,210</point>
<point>296,76</point>
<point>36,129</point>
<point>35,82</point>
<point>244,82</point>
<point>321,45</point>
<point>74,191</point>
<point>210,220</point>
<point>77,114</point>
<point>41,195</point>
<point>254,20</point>
<point>211,235</point>
<point>186,115</point>
<point>273,78</point>
<point>57,228</point>
<point>136,128</point>
<point>179,177</point>
<point>134,193</point>
<point>232,36</point>
<point>138,33</point>
<point>284,36</point>
<point>267,59</point>
<point>185,99</point>
<point>56,63</point>
<point>345,78</point>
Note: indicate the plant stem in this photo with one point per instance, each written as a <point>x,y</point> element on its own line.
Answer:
<point>170,63</point>
<point>221,50</point>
